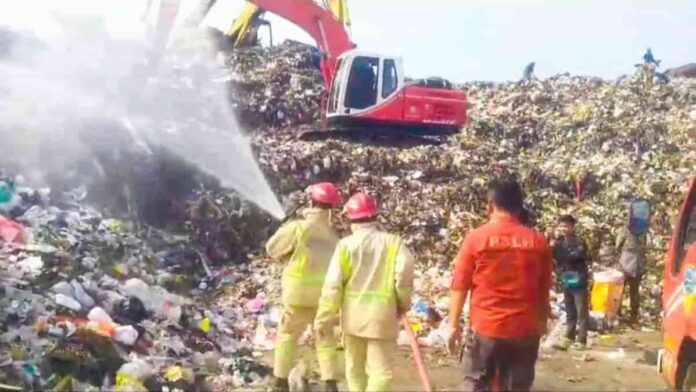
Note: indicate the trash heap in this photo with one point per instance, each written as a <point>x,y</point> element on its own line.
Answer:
<point>93,303</point>
<point>579,145</point>
<point>275,87</point>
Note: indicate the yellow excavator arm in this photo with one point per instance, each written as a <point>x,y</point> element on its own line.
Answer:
<point>340,10</point>
<point>244,28</point>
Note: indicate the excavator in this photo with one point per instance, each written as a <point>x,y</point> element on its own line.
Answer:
<point>365,91</point>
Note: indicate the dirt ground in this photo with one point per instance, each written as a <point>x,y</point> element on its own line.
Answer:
<point>594,369</point>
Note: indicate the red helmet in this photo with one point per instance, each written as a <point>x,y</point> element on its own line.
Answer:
<point>325,192</point>
<point>361,206</point>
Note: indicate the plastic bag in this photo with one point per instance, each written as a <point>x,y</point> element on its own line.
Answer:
<point>11,231</point>
<point>126,334</point>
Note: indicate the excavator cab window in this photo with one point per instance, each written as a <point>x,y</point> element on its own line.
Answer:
<point>362,83</point>
<point>390,79</point>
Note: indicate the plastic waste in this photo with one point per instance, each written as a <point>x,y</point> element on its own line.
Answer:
<point>64,288</point>
<point>155,300</point>
<point>256,305</point>
<point>126,334</point>
<point>81,295</point>
<point>262,338</point>
<point>616,355</point>
<point>99,315</point>
<point>419,307</point>
<point>131,375</point>
<point>68,302</point>
<point>31,266</point>
<point>9,199</point>
<point>11,232</point>
<point>6,191</point>
<point>402,339</point>
<point>205,325</point>
<point>178,373</point>
<point>131,309</point>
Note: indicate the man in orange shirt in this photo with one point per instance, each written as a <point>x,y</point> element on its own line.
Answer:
<point>507,266</point>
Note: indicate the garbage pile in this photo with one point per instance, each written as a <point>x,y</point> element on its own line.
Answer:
<point>275,87</point>
<point>93,303</point>
<point>579,145</point>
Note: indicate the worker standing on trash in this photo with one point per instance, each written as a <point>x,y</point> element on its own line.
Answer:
<point>307,244</point>
<point>632,244</point>
<point>572,259</point>
<point>528,73</point>
<point>370,282</point>
<point>649,59</point>
<point>508,269</point>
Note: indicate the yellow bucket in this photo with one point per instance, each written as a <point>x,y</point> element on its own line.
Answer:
<point>607,291</point>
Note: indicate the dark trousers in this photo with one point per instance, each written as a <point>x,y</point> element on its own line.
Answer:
<point>511,360</point>
<point>633,284</point>
<point>577,314</point>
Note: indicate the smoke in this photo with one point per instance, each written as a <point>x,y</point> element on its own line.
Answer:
<point>85,92</point>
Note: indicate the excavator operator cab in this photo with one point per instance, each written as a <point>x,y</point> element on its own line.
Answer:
<point>363,81</point>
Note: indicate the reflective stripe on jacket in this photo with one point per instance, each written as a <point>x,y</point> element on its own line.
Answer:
<point>307,245</point>
<point>370,278</point>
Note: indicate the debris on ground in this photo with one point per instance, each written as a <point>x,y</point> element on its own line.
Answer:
<point>95,301</point>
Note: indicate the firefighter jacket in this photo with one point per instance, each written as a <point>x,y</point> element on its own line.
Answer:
<point>370,282</point>
<point>307,246</point>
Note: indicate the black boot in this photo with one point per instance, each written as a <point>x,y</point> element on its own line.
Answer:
<point>331,386</point>
<point>281,385</point>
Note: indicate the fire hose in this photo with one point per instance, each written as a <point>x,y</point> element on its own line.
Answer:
<point>417,356</point>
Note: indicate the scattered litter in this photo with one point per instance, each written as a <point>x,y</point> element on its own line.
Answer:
<point>616,355</point>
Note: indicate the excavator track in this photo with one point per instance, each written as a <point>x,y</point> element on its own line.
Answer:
<point>377,136</point>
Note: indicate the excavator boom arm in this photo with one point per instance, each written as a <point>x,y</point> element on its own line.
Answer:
<point>327,31</point>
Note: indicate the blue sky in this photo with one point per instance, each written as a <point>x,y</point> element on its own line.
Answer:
<point>494,39</point>
<point>466,40</point>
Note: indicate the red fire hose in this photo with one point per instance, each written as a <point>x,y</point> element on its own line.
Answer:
<point>418,357</point>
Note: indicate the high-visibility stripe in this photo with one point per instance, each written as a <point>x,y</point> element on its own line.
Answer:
<point>370,297</point>
<point>345,263</point>
<point>326,351</point>
<point>377,384</point>
<point>298,262</point>
<point>356,382</point>
<point>389,273</point>
<point>326,305</point>
<point>286,349</point>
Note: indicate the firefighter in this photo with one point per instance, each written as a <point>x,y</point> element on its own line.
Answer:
<point>370,281</point>
<point>507,266</point>
<point>307,244</point>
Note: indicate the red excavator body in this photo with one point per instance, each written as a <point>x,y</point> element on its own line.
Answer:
<point>363,88</point>
<point>366,88</point>
<point>677,359</point>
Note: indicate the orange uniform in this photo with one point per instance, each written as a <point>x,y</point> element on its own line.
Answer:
<point>508,268</point>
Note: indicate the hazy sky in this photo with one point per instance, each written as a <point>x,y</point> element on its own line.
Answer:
<point>495,39</point>
<point>478,39</point>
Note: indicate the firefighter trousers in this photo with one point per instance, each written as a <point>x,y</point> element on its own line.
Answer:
<point>293,323</point>
<point>369,363</point>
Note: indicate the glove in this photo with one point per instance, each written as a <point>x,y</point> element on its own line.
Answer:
<point>454,338</point>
